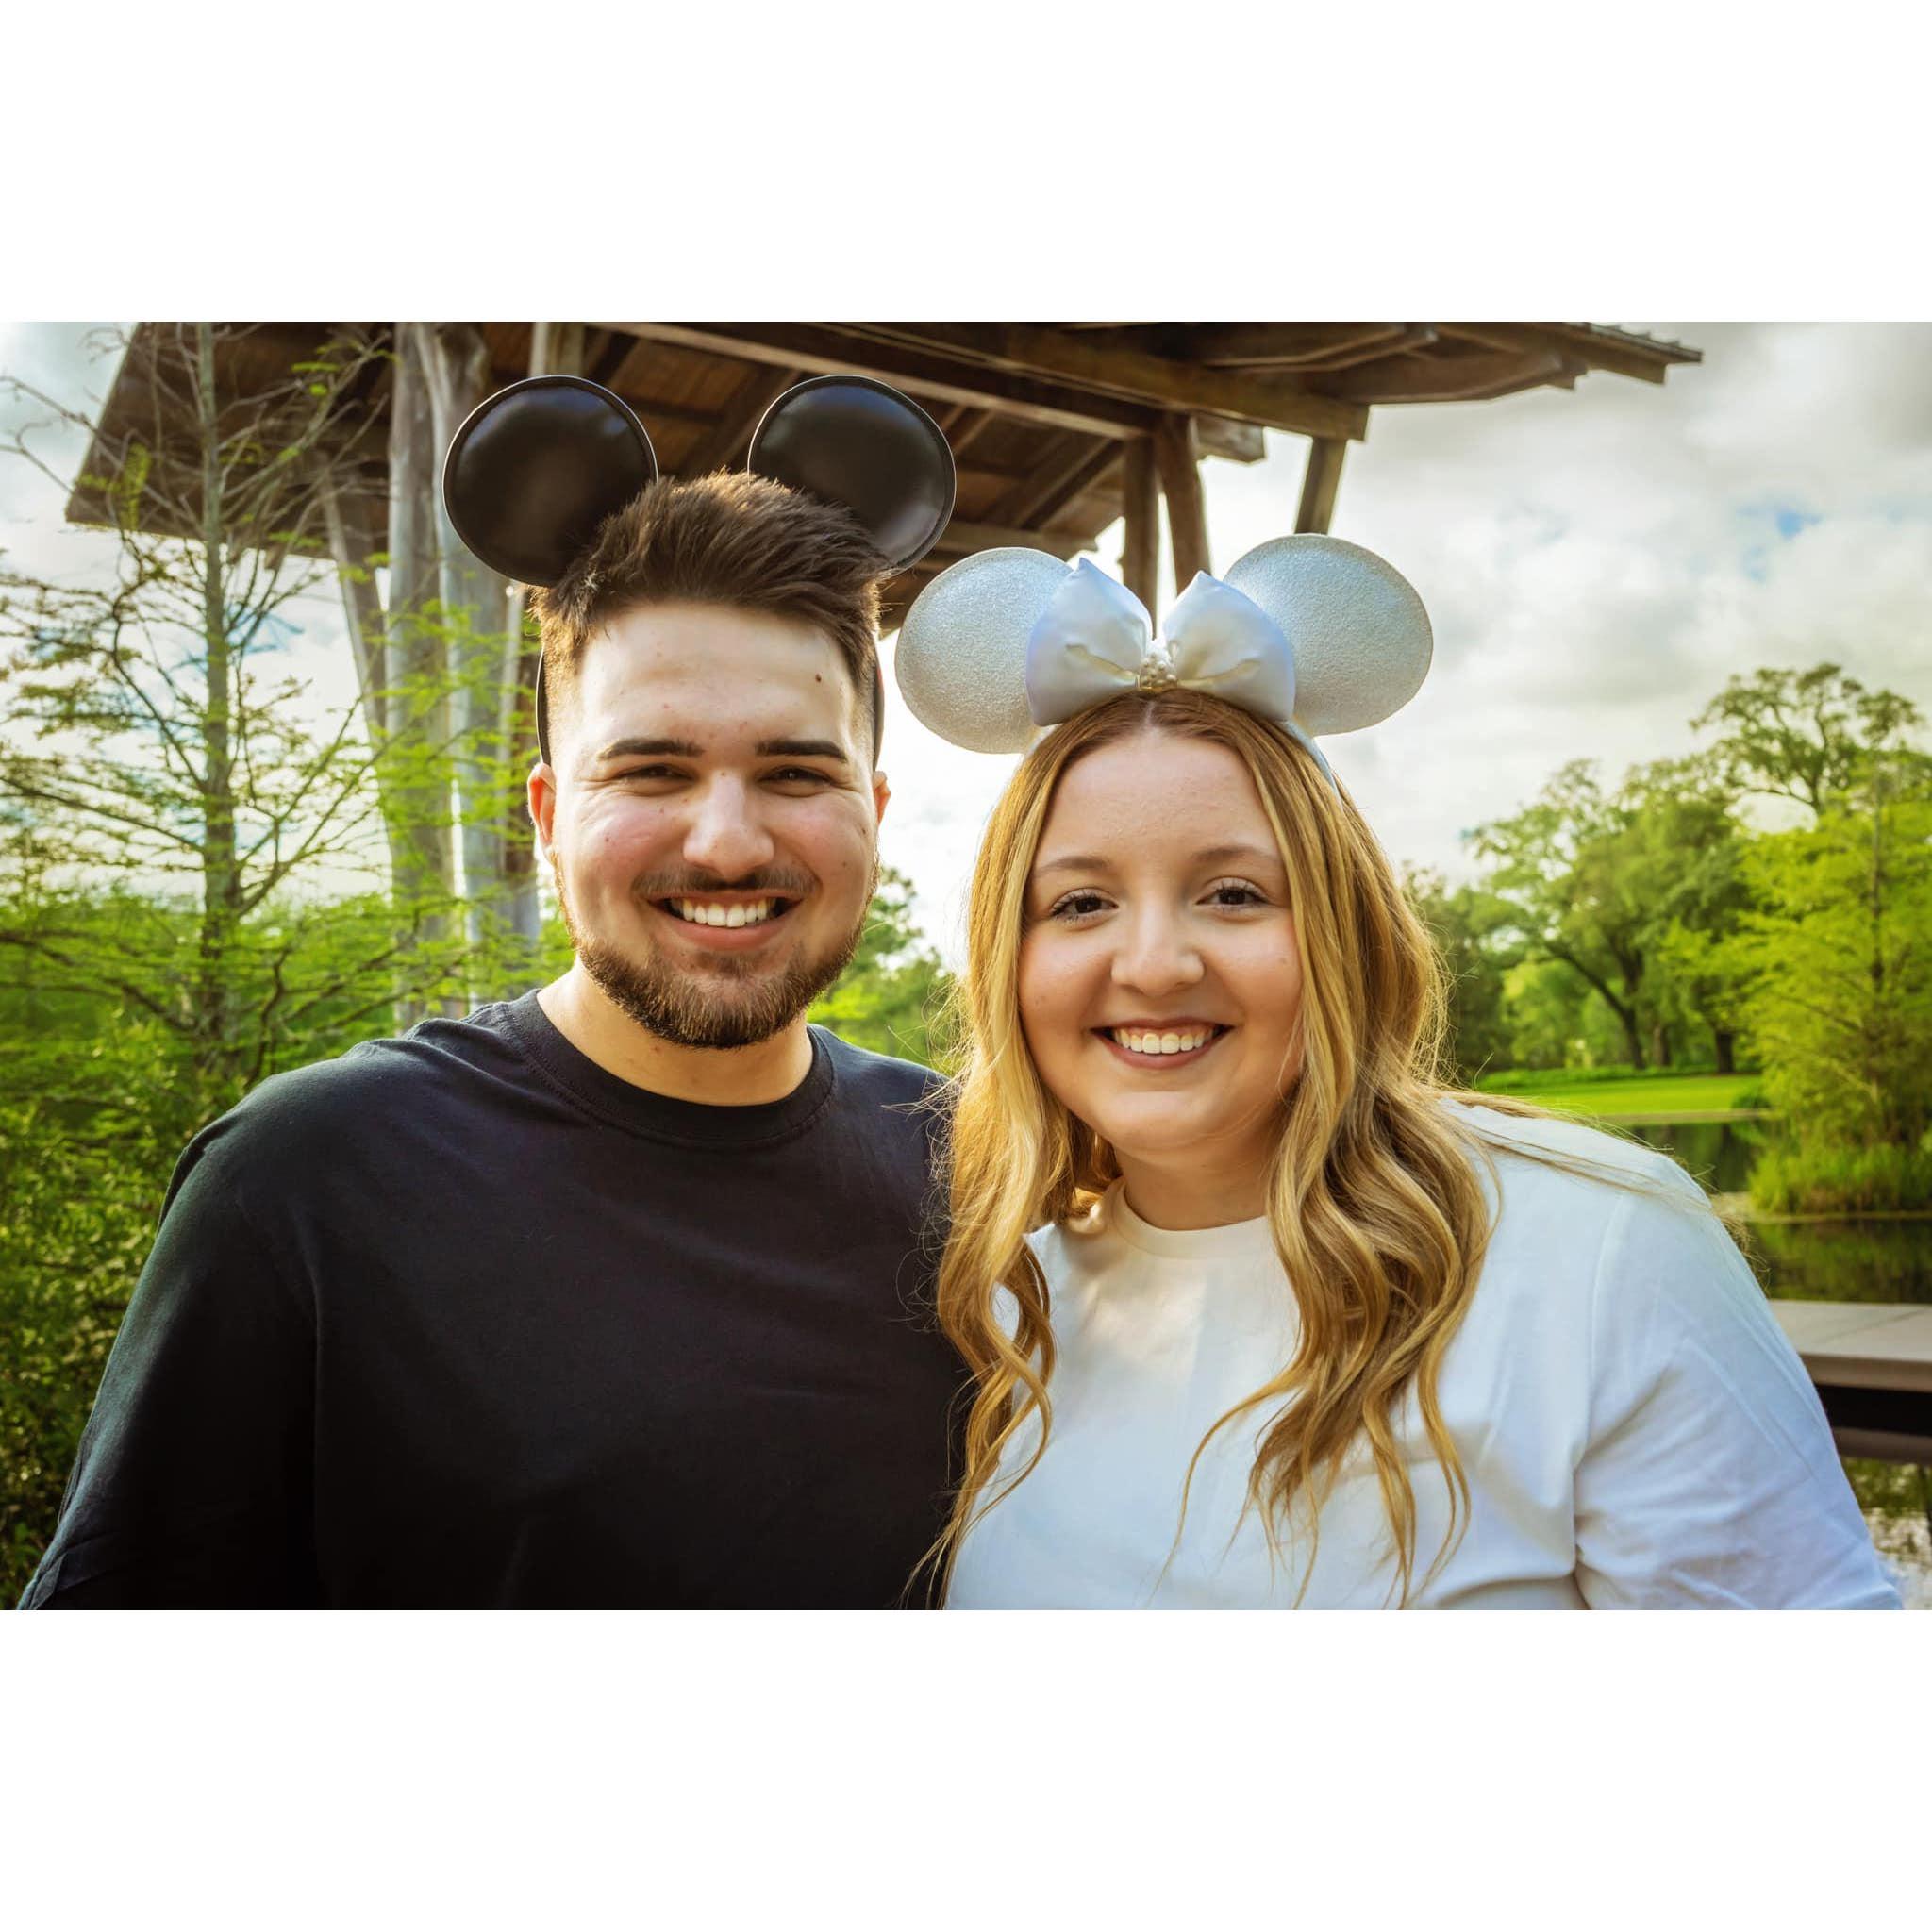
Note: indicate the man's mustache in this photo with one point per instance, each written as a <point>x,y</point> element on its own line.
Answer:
<point>777,881</point>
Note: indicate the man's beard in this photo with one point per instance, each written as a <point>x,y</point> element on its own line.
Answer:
<point>690,1006</point>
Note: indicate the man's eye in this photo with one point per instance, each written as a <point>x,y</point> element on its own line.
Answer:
<point>796,774</point>
<point>651,772</point>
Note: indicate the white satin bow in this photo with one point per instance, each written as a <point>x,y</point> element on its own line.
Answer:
<point>1096,640</point>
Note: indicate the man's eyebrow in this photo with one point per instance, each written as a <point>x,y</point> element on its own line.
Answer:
<point>649,748</point>
<point>802,748</point>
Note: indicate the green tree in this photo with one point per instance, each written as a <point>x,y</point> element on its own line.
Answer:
<point>894,996</point>
<point>1805,736</point>
<point>1834,967</point>
<point>1471,929</point>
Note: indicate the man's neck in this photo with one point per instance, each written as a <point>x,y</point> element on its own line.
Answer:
<point>579,1009</point>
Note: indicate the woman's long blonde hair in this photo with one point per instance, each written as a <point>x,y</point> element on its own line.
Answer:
<point>1378,1215</point>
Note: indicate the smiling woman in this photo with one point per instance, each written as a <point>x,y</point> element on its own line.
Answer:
<point>1260,1313</point>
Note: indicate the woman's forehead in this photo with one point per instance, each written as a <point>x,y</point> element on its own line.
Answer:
<point>1155,790</point>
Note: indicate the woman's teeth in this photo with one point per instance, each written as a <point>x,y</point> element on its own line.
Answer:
<point>702,912</point>
<point>1161,1043</point>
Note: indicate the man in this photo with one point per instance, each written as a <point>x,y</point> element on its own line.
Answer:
<point>607,1295</point>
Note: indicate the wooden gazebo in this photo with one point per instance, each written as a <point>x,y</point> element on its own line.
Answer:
<point>1059,428</point>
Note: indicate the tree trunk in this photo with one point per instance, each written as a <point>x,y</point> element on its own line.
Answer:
<point>221,876</point>
<point>1660,1044</point>
<point>417,720</point>
<point>351,544</point>
<point>1726,1042</point>
<point>475,603</point>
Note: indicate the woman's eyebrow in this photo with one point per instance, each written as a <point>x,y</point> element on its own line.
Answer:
<point>1073,861</point>
<point>1232,855</point>
<point>1213,855</point>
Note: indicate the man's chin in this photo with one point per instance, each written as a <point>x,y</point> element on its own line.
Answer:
<point>720,1004</point>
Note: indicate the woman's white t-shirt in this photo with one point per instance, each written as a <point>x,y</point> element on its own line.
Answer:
<point>1635,1430</point>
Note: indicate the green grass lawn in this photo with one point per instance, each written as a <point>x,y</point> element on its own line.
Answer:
<point>1642,1099</point>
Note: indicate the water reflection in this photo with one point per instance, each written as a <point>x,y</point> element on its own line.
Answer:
<point>1869,1259</point>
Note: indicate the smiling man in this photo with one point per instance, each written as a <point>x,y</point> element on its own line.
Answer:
<point>612,1295</point>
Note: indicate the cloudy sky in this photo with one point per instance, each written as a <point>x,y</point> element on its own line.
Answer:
<point>1596,562</point>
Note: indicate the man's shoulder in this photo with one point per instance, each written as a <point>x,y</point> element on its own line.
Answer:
<point>876,1078</point>
<point>330,1106</point>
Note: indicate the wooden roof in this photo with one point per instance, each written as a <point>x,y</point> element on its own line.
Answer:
<point>1038,415</point>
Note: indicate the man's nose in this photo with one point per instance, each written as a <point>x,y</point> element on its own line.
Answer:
<point>726,835</point>
<point>1156,954</point>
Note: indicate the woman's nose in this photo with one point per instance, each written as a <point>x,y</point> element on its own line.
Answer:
<point>726,835</point>
<point>1156,956</point>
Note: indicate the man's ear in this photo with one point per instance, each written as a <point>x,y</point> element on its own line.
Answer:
<point>881,795</point>
<point>542,795</point>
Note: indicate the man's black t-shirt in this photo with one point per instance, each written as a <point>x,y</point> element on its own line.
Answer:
<point>463,1319</point>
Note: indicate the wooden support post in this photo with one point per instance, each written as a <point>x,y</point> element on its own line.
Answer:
<point>1318,486</point>
<point>1178,455</point>
<point>557,348</point>
<point>1141,499</point>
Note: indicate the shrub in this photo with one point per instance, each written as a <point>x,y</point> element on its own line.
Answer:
<point>1533,1079</point>
<point>1841,1180</point>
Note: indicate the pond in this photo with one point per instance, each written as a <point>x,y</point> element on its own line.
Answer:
<point>1867,1259</point>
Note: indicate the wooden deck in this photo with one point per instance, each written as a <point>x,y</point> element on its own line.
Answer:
<point>1871,1363</point>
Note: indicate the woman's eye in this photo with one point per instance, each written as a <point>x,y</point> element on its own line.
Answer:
<point>1236,892</point>
<point>1077,906</point>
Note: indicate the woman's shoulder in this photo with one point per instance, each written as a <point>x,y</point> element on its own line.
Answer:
<point>1566,1159</point>
<point>1579,1214</point>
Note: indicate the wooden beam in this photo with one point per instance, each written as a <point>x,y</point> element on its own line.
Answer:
<point>1177,456</point>
<point>1240,442</point>
<point>1140,549</point>
<point>1456,378</point>
<point>1091,361</point>
<point>961,539</point>
<point>1564,339</point>
<point>918,372</point>
<point>971,424</point>
<point>724,445</point>
<point>1075,485</point>
<point>1280,344</point>
<point>1023,501</point>
<point>1319,485</point>
<point>1403,343</point>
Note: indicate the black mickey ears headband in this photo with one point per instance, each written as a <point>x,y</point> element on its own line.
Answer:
<point>536,468</point>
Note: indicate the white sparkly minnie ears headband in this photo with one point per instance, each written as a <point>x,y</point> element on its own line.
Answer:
<point>536,468</point>
<point>1311,633</point>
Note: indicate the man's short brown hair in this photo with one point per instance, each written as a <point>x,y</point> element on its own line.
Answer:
<point>731,539</point>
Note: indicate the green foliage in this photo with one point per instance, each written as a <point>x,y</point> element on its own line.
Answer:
<point>1890,1488</point>
<point>1804,1177</point>
<point>892,998</point>
<point>1537,1079</point>
<point>1466,923</point>
<point>1834,973</point>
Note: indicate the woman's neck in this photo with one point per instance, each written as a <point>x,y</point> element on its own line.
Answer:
<point>1181,1196</point>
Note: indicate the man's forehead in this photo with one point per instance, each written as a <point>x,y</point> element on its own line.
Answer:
<point>719,680</point>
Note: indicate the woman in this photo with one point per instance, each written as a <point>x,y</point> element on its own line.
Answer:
<point>1258,1313</point>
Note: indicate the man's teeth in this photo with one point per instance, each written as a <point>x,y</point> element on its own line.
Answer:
<point>702,912</point>
<point>1135,1042</point>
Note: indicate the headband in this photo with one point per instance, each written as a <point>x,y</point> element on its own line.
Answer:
<point>1311,633</point>
<point>535,469</point>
